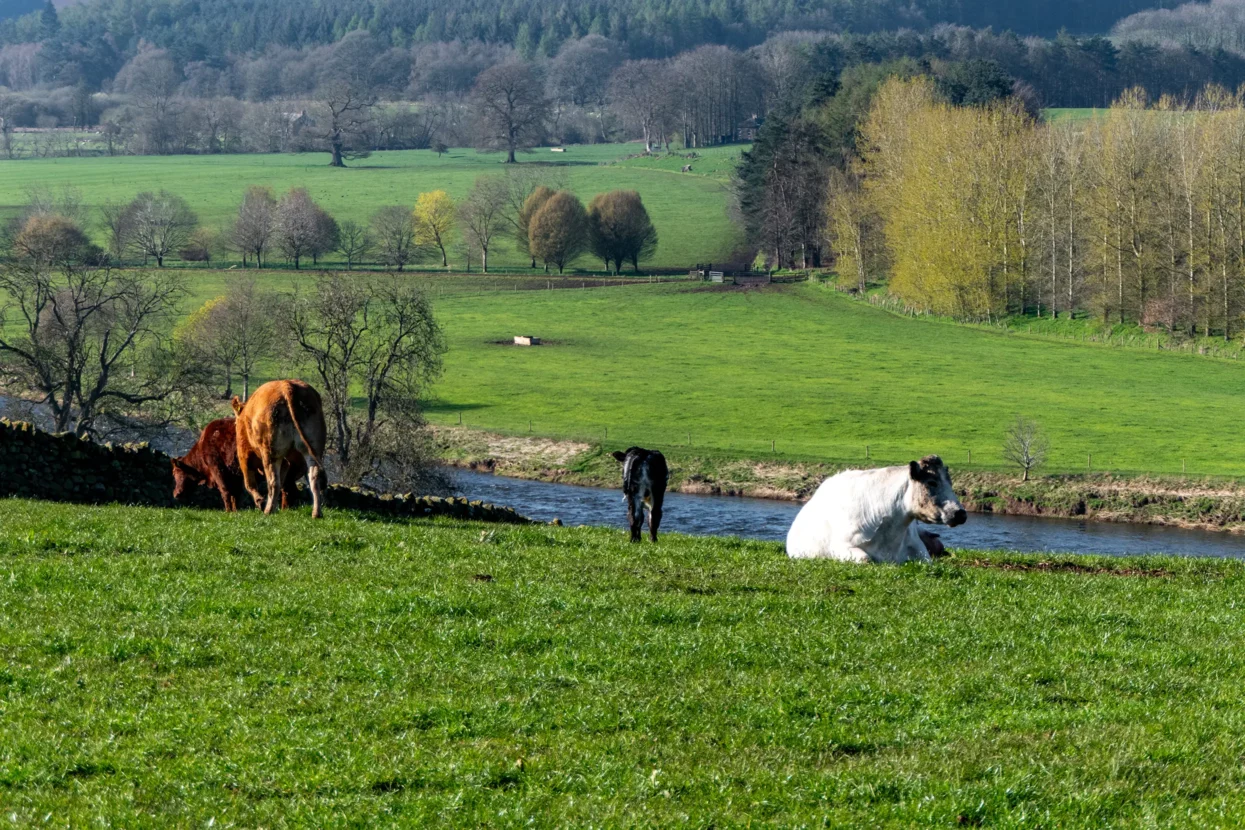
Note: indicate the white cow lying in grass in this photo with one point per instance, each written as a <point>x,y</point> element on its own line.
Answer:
<point>869,515</point>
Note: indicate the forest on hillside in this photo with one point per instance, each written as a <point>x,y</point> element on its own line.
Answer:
<point>211,29</point>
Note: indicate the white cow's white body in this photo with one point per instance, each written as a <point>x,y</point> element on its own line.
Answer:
<point>861,516</point>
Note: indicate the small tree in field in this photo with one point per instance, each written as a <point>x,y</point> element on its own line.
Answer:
<point>434,221</point>
<point>232,333</point>
<point>619,229</point>
<point>162,224</point>
<point>393,228</point>
<point>1025,446</point>
<point>559,232</point>
<point>374,346</point>
<point>533,202</point>
<point>354,242</point>
<point>482,216</point>
<point>256,227</point>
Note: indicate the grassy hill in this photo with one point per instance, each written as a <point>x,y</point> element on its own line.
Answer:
<point>822,376</point>
<point>689,211</point>
<point>190,668</point>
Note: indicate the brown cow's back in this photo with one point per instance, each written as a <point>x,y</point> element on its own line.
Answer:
<point>283,416</point>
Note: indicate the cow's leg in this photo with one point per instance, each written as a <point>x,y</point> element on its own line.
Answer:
<point>250,479</point>
<point>854,554</point>
<point>226,496</point>
<point>272,474</point>
<point>635,515</point>
<point>316,479</point>
<point>654,513</point>
<point>289,493</point>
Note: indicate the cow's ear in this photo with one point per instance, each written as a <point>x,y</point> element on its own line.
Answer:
<point>915,471</point>
<point>236,403</point>
<point>619,456</point>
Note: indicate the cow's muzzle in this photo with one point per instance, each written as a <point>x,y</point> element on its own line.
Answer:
<point>955,518</point>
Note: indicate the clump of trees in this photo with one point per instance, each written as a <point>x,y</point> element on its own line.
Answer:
<point>1135,216</point>
<point>89,342</point>
<point>619,229</point>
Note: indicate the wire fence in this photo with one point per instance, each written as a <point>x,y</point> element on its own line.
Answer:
<point>780,449</point>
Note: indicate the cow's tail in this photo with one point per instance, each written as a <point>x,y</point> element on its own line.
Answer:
<point>289,402</point>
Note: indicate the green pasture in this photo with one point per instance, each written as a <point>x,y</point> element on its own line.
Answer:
<point>194,669</point>
<point>689,210</point>
<point>1058,115</point>
<point>809,373</point>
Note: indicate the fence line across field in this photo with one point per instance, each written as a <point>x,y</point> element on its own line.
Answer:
<point>797,452</point>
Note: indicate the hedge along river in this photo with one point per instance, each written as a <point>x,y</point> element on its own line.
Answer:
<point>769,520</point>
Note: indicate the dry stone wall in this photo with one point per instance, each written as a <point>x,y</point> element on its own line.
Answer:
<point>62,467</point>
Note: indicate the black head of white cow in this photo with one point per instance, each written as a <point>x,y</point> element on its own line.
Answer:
<point>932,497</point>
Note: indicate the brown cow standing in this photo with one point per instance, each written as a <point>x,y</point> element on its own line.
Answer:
<point>283,416</point>
<point>213,461</point>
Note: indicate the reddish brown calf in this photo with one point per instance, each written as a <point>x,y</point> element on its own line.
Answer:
<point>213,462</point>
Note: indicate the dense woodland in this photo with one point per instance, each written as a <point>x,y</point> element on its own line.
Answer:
<point>212,29</point>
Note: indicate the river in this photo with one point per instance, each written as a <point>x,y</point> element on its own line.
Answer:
<point>769,520</point>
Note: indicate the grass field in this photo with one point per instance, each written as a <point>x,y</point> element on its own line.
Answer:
<point>689,211</point>
<point>195,669</point>
<point>1074,114</point>
<point>823,376</point>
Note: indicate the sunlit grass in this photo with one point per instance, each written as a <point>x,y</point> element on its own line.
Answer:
<point>192,668</point>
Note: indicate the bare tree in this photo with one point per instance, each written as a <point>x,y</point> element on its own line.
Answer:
<point>256,226</point>
<point>373,337</point>
<point>234,332</point>
<point>354,242</point>
<point>482,215</point>
<point>1025,446</point>
<point>8,114</point>
<point>303,227</point>
<point>393,228</point>
<point>163,222</point>
<point>117,221</point>
<point>345,112</point>
<point>511,109</point>
<point>640,93</point>
<point>559,230</point>
<point>152,79</point>
<point>86,340</point>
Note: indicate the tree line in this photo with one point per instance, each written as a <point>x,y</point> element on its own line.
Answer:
<point>1136,216</point>
<point>547,223</point>
<point>359,93</point>
<point>210,30</point>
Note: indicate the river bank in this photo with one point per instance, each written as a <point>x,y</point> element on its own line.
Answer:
<point>1187,503</point>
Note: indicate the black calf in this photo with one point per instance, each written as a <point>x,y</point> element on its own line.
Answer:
<point>644,484</point>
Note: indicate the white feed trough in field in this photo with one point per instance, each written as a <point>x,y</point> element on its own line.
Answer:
<point>526,340</point>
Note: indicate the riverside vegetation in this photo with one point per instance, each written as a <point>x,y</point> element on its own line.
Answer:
<point>188,667</point>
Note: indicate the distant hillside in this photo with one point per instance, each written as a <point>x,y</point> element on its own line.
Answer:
<point>1219,24</point>
<point>211,28</point>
